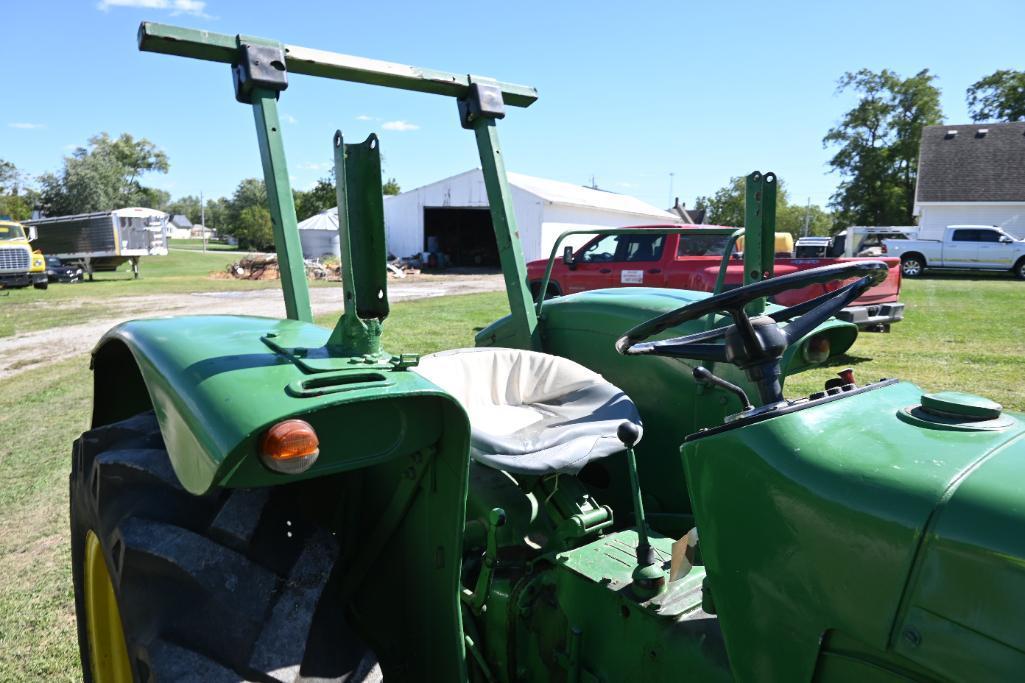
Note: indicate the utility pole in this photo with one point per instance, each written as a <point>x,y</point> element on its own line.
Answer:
<point>202,218</point>
<point>807,216</point>
<point>669,202</point>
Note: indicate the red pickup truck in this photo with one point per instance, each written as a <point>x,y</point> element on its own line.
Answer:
<point>682,261</point>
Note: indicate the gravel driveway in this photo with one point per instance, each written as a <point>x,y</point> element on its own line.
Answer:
<point>37,349</point>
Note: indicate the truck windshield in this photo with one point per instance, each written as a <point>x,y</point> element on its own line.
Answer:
<point>702,245</point>
<point>11,232</point>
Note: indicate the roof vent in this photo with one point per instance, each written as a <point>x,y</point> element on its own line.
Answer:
<point>981,133</point>
<point>951,134</point>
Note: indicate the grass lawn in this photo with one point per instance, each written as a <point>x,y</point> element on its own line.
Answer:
<point>197,244</point>
<point>959,334</point>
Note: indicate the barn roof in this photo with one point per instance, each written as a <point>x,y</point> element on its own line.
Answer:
<point>567,194</point>
<point>982,162</point>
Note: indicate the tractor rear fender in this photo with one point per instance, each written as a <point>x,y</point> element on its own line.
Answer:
<point>216,386</point>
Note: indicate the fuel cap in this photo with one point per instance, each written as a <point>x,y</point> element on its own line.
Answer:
<point>961,406</point>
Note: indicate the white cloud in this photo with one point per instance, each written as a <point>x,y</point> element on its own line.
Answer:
<point>290,119</point>
<point>27,126</point>
<point>364,117</point>
<point>399,125</point>
<point>194,7</point>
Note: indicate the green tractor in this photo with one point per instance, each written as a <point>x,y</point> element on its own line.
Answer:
<point>610,487</point>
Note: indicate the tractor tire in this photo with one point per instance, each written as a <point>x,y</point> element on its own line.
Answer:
<point>1019,269</point>
<point>912,265</point>
<point>169,586</point>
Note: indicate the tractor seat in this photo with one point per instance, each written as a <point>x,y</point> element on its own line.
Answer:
<point>531,413</point>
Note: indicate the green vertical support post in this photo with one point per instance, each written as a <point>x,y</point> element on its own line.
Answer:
<point>282,206</point>
<point>510,250</point>
<point>362,248</point>
<point>759,232</point>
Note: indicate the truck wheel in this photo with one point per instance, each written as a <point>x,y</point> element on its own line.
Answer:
<point>231,585</point>
<point>912,266</point>
<point>1019,269</point>
<point>41,285</point>
<point>551,293</point>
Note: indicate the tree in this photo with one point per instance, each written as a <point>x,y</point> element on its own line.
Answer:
<point>320,197</point>
<point>104,175</point>
<point>878,144</point>
<point>391,187</point>
<point>16,201</point>
<point>726,207</point>
<point>246,216</point>
<point>217,214</point>
<point>189,206</point>
<point>998,97</point>
<point>255,229</point>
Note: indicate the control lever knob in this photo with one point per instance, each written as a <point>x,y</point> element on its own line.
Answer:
<point>628,433</point>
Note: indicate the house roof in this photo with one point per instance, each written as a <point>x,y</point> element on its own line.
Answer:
<point>180,220</point>
<point>558,192</point>
<point>982,162</point>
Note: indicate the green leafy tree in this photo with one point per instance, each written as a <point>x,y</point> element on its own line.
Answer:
<point>726,207</point>
<point>999,96</point>
<point>217,212</point>
<point>320,197</point>
<point>189,206</point>
<point>16,201</point>
<point>254,229</point>
<point>245,213</point>
<point>104,175</point>
<point>391,187</point>
<point>877,146</point>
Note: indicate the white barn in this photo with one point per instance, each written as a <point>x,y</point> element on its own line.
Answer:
<point>451,216</point>
<point>971,175</point>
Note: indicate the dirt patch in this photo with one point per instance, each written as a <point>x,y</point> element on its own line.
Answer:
<point>40,348</point>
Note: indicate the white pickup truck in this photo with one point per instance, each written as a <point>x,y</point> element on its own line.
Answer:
<point>974,247</point>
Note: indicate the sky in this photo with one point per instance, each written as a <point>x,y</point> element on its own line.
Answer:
<point>653,99</point>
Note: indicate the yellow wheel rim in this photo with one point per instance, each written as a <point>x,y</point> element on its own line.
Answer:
<point>108,656</point>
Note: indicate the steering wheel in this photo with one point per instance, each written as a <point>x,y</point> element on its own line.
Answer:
<point>756,344</point>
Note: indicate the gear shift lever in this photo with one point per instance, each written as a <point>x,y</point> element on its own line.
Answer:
<point>648,578</point>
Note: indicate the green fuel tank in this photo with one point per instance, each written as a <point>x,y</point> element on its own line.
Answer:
<point>873,534</point>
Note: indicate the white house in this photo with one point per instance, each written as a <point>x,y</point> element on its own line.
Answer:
<point>451,216</point>
<point>971,175</point>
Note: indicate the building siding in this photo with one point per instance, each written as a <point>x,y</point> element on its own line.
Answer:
<point>935,217</point>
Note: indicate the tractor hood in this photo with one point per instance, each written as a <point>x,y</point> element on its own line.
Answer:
<point>866,516</point>
<point>968,584</point>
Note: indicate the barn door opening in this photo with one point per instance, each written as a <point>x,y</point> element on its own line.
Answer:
<point>464,234</point>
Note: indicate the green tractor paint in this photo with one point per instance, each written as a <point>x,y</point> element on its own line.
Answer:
<point>861,533</point>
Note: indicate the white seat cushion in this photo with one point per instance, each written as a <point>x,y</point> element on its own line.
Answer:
<point>531,413</point>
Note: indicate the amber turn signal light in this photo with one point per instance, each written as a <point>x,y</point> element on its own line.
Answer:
<point>817,349</point>
<point>290,447</point>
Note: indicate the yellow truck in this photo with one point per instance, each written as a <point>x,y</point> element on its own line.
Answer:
<point>20,266</point>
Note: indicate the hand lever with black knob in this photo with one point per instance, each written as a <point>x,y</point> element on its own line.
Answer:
<point>704,376</point>
<point>648,577</point>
